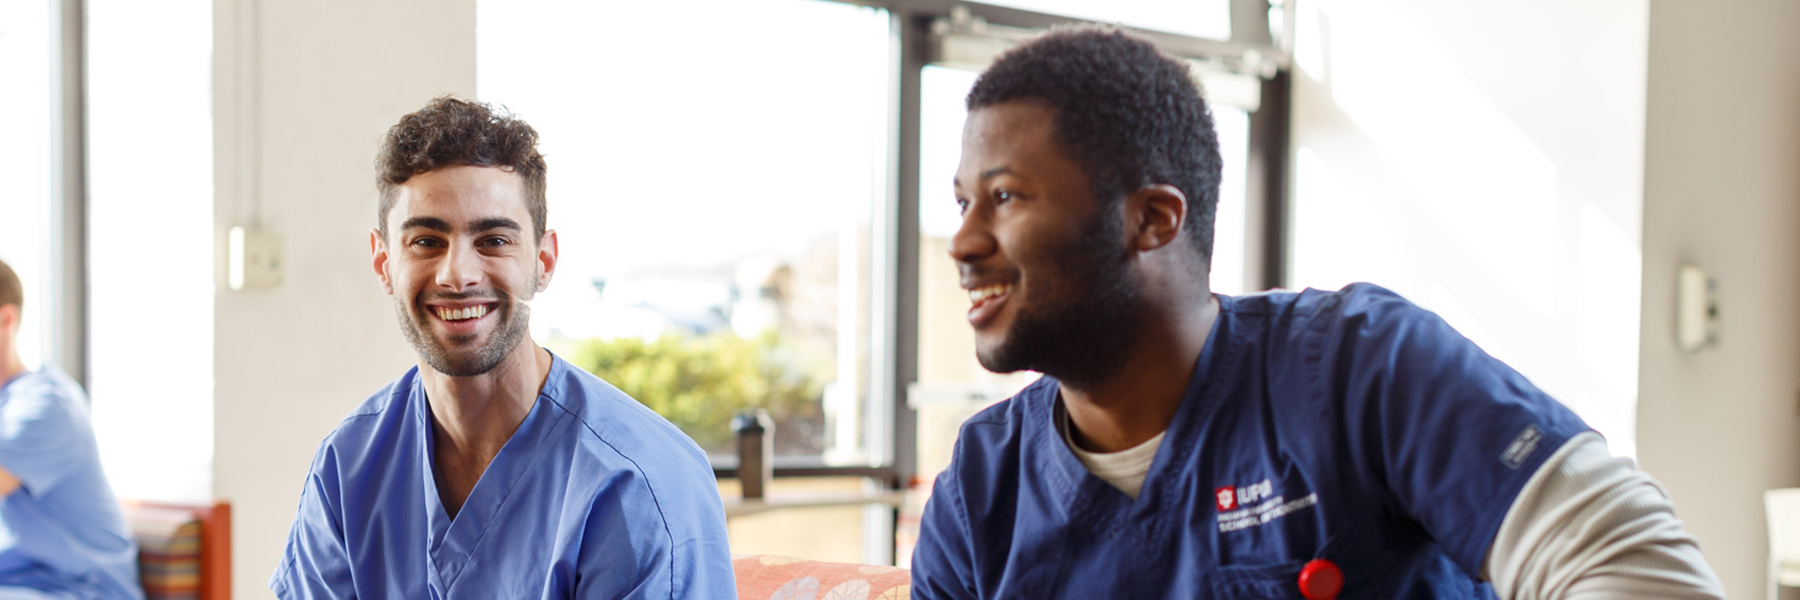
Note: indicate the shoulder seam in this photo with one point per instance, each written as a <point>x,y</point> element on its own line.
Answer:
<point>670,535</point>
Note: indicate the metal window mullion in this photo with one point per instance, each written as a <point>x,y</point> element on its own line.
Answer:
<point>67,339</point>
<point>912,32</point>
<point>1266,188</point>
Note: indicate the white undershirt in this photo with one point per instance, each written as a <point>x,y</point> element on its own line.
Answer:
<point>1586,526</point>
<point>1124,469</point>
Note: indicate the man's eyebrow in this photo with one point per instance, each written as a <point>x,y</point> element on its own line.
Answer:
<point>492,223</point>
<point>432,223</point>
<point>988,174</point>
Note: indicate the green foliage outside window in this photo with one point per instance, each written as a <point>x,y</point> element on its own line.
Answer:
<point>698,383</point>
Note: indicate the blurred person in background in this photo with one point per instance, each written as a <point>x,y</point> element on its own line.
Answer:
<point>1184,444</point>
<point>62,534</point>
<point>493,468</point>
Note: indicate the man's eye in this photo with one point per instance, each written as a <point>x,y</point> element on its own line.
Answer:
<point>495,242</point>
<point>428,243</point>
<point>1004,195</point>
<point>962,206</point>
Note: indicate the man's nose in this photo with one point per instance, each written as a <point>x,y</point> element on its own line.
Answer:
<point>461,269</point>
<point>974,239</point>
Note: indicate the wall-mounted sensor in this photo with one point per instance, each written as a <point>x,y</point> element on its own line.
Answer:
<point>1696,309</point>
<point>253,259</point>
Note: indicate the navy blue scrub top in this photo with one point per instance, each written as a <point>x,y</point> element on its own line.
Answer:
<point>1351,426</point>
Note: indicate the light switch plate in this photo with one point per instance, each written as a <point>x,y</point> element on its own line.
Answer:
<point>254,259</point>
<point>1696,309</point>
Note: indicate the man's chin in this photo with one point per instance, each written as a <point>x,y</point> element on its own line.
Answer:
<point>463,364</point>
<point>998,357</point>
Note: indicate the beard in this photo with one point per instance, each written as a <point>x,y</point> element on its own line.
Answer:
<point>450,357</point>
<point>1076,324</point>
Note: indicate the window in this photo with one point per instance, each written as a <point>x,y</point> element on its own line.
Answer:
<point>728,179</point>
<point>1203,18</point>
<point>25,116</point>
<point>150,245</point>
<point>716,183</point>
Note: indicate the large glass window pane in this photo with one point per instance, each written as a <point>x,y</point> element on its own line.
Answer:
<point>25,164</point>
<point>713,180</point>
<point>1198,18</point>
<point>150,244</point>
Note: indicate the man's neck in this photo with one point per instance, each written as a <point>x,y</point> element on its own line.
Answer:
<point>1139,401</point>
<point>473,417</point>
<point>10,364</point>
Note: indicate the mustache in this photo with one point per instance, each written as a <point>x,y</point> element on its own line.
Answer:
<point>972,272</point>
<point>506,300</point>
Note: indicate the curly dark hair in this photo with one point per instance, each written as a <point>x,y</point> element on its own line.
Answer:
<point>11,291</point>
<point>451,132</point>
<point>1129,115</point>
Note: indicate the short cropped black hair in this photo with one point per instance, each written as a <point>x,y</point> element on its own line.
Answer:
<point>1128,114</point>
<point>450,132</point>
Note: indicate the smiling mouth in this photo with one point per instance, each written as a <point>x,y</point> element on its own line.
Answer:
<point>988,293</point>
<point>461,314</point>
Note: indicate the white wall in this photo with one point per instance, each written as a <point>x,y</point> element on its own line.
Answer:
<point>1722,191</point>
<point>1485,160</point>
<point>303,108</point>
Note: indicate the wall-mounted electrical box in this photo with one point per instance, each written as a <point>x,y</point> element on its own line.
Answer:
<point>1696,309</point>
<point>253,259</point>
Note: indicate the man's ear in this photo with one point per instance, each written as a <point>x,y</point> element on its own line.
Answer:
<point>378,255</point>
<point>9,319</point>
<point>1154,216</point>
<point>547,256</point>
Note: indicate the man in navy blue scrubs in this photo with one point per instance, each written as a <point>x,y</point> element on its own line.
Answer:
<point>1184,444</point>
<point>493,469</point>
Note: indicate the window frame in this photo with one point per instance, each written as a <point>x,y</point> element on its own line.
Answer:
<point>1266,219</point>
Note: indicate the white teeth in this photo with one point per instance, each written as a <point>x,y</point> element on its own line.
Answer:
<point>459,314</point>
<point>981,294</point>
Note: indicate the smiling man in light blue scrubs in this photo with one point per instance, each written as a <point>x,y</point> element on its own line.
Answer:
<point>61,532</point>
<point>493,469</point>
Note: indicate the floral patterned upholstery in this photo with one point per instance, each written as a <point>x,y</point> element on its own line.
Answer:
<point>770,577</point>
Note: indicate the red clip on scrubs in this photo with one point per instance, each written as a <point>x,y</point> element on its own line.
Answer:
<point>1320,579</point>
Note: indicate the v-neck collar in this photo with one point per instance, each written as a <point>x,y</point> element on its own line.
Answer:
<point>1090,498</point>
<point>451,542</point>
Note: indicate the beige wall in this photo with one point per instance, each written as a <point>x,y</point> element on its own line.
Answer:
<point>1722,191</point>
<point>308,102</point>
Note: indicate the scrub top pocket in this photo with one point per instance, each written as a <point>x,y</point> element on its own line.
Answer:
<point>1261,582</point>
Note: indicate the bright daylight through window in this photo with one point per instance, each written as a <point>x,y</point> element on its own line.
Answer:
<point>717,185</point>
<point>25,164</point>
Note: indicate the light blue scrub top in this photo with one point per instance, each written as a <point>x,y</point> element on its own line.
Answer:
<point>595,496</point>
<point>61,531</point>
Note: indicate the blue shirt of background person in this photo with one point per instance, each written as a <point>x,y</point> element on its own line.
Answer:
<point>493,469</point>
<point>61,532</point>
<point>1349,431</point>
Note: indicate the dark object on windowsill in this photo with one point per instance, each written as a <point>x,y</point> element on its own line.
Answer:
<point>755,450</point>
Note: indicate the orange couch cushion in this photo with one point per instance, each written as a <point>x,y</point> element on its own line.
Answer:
<point>769,577</point>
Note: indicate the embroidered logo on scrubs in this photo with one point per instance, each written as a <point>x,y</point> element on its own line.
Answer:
<point>1521,447</point>
<point>1260,504</point>
<point>1227,497</point>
